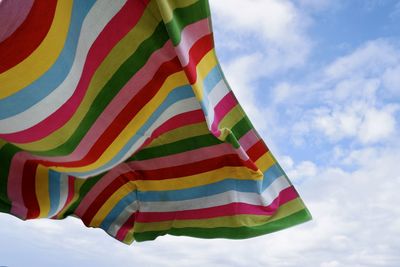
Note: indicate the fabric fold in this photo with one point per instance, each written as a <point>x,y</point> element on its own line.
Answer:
<point>134,129</point>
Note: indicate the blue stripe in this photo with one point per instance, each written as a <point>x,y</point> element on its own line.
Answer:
<point>116,211</point>
<point>271,174</point>
<point>211,80</point>
<point>43,86</point>
<point>176,95</point>
<point>54,191</point>
<point>246,186</point>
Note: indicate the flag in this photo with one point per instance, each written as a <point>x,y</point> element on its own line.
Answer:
<point>118,113</point>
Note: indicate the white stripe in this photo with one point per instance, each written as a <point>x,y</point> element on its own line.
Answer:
<point>190,35</point>
<point>122,218</point>
<point>265,199</point>
<point>63,193</point>
<point>97,18</point>
<point>228,197</point>
<point>214,97</point>
<point>177,108</point>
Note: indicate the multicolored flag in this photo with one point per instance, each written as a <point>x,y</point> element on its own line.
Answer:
<point>117,112</point>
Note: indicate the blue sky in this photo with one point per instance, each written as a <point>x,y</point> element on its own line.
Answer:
<point>320,79</point>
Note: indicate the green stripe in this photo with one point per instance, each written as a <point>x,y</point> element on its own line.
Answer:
<point>242,127</point>
<point>85,188</point>
<point>185,16</point>
<point>231,232</point>
<point>176,147</point>
<point>133,64</point>
<point>7,152</point>
<point>237,131</point>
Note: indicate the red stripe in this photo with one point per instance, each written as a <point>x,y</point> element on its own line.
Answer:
<point>180,120</point>
<point>70,196</point>
<point>257,150</point>
<point>129,111</point>
<point>123,231</point>
<point>28,36</point>
<point>102,198</point>
<point>231,209</point>
<point>28,187</point>
<point>125,116</point>
<point>196,53</point>
<point>193,168</point>
<point>226,104</point>
<point>113,32</point>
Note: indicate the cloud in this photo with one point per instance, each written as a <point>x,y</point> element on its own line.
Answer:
<point>355,224</point>
<point>280,34</point>
<point>377,125</point>
<point>391,80</point>
<point>298,172</point>
<point>367,124</point>
<point>368,59</point>
<point>353,98</point>
<point>347,108</point>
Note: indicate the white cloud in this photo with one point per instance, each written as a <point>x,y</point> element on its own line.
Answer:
<point>353,98</point>
<point>275,20</point>
<point>242,75</point>
<point>356,212</point>
<point>366,60</point>
<point>298,172</point>
<point>377,125</point>
<point>367,124</point>
<point>391,79</point>
<point>279,26</point>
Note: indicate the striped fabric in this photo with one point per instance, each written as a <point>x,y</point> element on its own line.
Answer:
<point>117,112</point>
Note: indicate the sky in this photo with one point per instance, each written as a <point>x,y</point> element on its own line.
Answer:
<point>320,80</point>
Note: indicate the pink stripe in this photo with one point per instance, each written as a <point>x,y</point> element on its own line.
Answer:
<point>12,15</point>
<point>227,103</point>
<point>184,157</point>
<point>187,118</point>
<point>124,229</point>
<point>101,185</point>
<point>190,35</point>
<point>248,140</point>
<point>114,31</point>
<point>70,195</point>
<point>14,185</point>
<point>231,209</point>
<point>141,78</point>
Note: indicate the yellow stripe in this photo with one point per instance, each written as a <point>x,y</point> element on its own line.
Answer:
<point>42,190</point>
<point>111,202</point>
<point>129,237</point>
<point>229,121</point>
<point>167,7</point>
<point>119,54</point>
<point>240,173</point>
<point>2,143</point>
<point>227,221</point>
<point>231,118</point>
<point>207,63</point>
<point>180,134</point>
<point>175,80</point>
<point>265,162</point>
<point>77,186</point>
<point>43,57</point>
